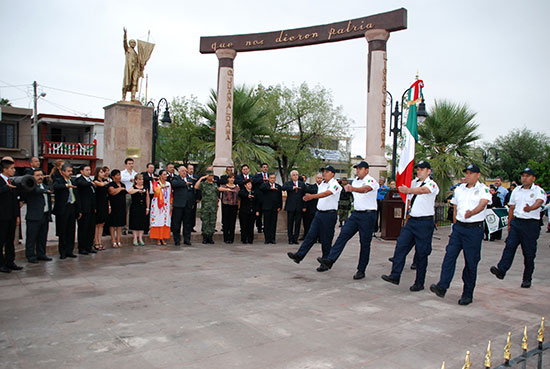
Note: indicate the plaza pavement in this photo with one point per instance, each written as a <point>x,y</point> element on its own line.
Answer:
<point>249,306</point>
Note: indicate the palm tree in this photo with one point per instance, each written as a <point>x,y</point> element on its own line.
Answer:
<point>446,139</point>
<point>5,102</point>
<point>248,122</point>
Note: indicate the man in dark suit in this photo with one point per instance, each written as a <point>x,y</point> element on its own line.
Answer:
<point>148,178</point>
<point>171,170</point>
<point>85,208</point>
<point>294,206</point>
<point>34,163</point>
<point>65,211</point>
<point>272,202</point>
<point>183,202</point>
<point>311,206</point>
<point>191,177</point>
<point>9,217</point>
<point>260,178</point>
<point>243,175</point>
<point>223,178</point>
<point>39,206</point>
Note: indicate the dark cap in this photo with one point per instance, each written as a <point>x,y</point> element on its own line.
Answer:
<point>472,168</point>
<point>423,164</point>
<point>529,171</point>
<point>362,164</point>
<point>209,172</point>
<point>329,168</point>
<point>344,178</point>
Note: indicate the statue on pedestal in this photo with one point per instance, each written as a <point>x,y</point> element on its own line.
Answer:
<point>134,66</point>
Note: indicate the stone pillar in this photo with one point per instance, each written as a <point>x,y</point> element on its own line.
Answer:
<point>224,111</point>
<point>376,101</point>
<point>127,133</point>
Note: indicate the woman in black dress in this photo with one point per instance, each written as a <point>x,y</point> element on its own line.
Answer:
<point>117,207</point>
<point>102,206</point>
<point>139,210</point>
<point>247,211</point>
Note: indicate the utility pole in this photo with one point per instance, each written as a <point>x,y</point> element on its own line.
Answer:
<point>35,122</point>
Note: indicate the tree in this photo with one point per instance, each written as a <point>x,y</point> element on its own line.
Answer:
<point>510,153</point>
<point>5,102</point>
<point>299,120</point>
<point>542,168</point>
<point>446,140</point>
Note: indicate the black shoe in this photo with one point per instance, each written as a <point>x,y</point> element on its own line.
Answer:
<point>526,284</point>
<point>62,257</point>
<point>211,240</point>
<point>325,262</point>
<point>204,240</point>
<point>4,269</point>
<point>497,272</point>
<point>390,279</point>
<point>14,266</point>
<point>83,253</point>
<point>413,266</point>
<point>391,259</point>
<point>415,288</point>
<point>301,239</point>
<point>321,268</point>
<point>124,232</point>
<point>438,290</point>
<point>188,243</point>
<point>359,275</point>
<point>177,243</point>
<point>260,230</point>
<point>44,258</point>
<point>193,230</point>
<point>92,251</point>
<point>33,261</point>
<point>465,301</point>
<point>71,255</point>
<point>294,257</point>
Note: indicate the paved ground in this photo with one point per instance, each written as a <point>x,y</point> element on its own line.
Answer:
<point>249,306</point>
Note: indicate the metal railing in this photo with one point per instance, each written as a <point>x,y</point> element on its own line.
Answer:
<point>66,149</point>
<point>520,361</point>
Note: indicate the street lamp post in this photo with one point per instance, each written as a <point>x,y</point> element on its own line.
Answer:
<point>36,96</point>
<point>165,119</point>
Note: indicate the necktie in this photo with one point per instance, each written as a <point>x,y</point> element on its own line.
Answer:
<point>72,198</point>
<point>46,207</point>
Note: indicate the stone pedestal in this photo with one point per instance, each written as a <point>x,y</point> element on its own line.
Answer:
<point>376,101</point>
<point>224,111</point>
<point>127,133</point>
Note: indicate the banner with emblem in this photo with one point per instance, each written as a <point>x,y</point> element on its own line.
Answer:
<point>496,218</point>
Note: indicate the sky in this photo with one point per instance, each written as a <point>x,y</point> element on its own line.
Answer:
<point>492,55</point>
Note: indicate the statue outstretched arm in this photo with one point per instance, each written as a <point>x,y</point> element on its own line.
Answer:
<point>125,41</point>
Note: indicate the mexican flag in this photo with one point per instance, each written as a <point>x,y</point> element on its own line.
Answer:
<point>410,135</point>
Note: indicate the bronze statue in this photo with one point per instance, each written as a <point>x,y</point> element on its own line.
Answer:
<point>134,66</point>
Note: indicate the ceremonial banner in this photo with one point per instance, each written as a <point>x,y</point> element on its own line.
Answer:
<point>496,218</point>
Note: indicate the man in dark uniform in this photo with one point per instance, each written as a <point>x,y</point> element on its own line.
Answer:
<point>9,217</point>
<point>183,206</point>
<point>294,206</point>
<point>523,227</point>
<point>363,220</point>
<point>419,228</point>
<point>325,218</point>
<point>65,211</point>
<point>311,205</point>
<point>470,200</point>
<point>86,206</point>
<point>39,206</point>
<point>191,177</point>
<point>272,202</point>
<point>260,178</point>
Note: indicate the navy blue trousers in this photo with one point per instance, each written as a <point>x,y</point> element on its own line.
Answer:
<point>322,227</point>
<point>364,223</point>
<point>468,240</point>
<point>417,232</point>
<point>526,233</point>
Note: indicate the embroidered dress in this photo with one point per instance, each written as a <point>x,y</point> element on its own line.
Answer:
<point>160,210</point>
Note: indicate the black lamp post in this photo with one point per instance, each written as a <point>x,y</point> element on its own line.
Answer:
<point>395,129</point>
<point>165,119</point>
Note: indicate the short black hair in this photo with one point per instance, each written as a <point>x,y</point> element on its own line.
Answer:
<point>84,166</point>
<point>161,171</point>
<point>244,165</point>
<point>38,170</point>
<point>6,164</point>
<point>32,157</point>
<point>261,165</point>
<point>271,174</point>
<point>247,181</point>
<point>65,166</point>
<point>114,172</point>
<point>127,160</point>
<point>147,166</point>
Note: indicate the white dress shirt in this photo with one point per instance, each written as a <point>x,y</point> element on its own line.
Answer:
<point>527,196</point>
<point>367,200</point>
<point>329,202</point>
<point>424,202</point>
<point>468,199</point>
<point>127,178</point>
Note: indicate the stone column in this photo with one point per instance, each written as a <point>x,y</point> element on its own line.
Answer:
<point>224,111</point>
<point>376,101</point>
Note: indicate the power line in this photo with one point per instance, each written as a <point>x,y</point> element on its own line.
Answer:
<point>68,110</point>
<point>78,93</point>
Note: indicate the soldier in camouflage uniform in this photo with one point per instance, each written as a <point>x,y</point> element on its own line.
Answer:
<point>209,205</point>
<point>344,204</point>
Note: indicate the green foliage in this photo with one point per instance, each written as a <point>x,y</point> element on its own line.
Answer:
<point>5,102</point>
<point>510,153</point>
<point>446,140</point>
<point>542,168</point>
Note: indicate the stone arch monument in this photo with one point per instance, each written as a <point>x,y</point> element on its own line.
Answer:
<point>375,28</point>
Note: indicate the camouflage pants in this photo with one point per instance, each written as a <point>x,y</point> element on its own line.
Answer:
<point>344,207</point>
<point>208,219</point>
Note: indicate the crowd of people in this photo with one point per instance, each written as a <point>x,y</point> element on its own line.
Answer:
<point>164,205</point>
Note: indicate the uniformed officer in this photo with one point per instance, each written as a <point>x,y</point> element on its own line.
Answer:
<point>209,205</point>
<point>419,228</point>
<point>325,218</point>
<point>363,219</point>
<point>523,227</point>
<point>470,199</point>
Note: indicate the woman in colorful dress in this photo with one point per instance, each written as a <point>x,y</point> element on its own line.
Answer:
<point>160,209</point>
<point>230,206</point>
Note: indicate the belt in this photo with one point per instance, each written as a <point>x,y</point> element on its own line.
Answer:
<point>364,211</point>
<point>327,211</point>
<point>473,224</point>
<point>427,217</point>
<point>526,220</point>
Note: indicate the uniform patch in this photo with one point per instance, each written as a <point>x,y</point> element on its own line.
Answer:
<point>532,195</point>
<point>487,190</point>
<point>335,187</point>
<point>476,192</point>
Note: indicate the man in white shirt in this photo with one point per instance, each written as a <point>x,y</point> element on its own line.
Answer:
<point>419,229</point>
<point>470,201</point>
<point>127,179</point>
<point>523,227</point>
<point>363,220</point>
<point>324,221</point>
